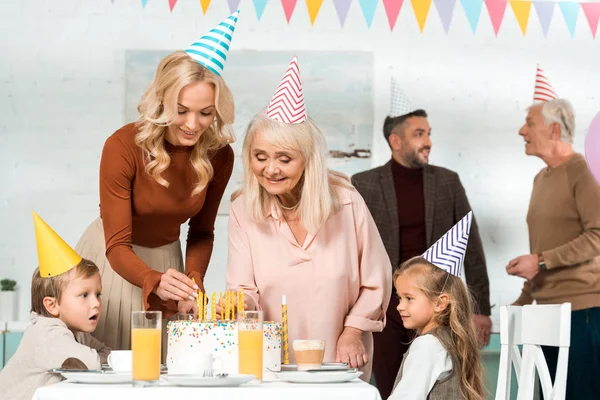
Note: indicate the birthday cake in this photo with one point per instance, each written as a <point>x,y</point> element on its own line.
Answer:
<point>221,339</point>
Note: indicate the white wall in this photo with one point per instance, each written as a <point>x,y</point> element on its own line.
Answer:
<point>62,94</point>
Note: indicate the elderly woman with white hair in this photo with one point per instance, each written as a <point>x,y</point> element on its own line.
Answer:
<point>564,239</point>
<point>301,230</point>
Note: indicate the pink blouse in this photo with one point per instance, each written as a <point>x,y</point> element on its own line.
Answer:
<point>340,276</point>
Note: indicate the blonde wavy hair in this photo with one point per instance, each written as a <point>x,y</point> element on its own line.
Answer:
<point>318,197</point>
<point>158,110</point>
<point>457,317</point>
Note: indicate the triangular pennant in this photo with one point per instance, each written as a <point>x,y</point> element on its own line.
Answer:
<point>392,9</point>
<point>233,5</point>
<point>521,9</point>
<point>204,4</point>
<point>570,12</point>
<point>473,12</point>
<point>421,10</point>
<point>259,7</point>
<point>496,10</point>
<point>287,104</point>
<point>313,9</point>
<point>288,8</point>
<point>55,256</point>
<point>400,104</point>
<point>211,49</point>
<point>172,4</point>
<point>368,8</point>
<point>592,13</point>
<point>448,253</point>
<point>544,11</point>
<point>543,90</point>
<point>144,3</point>
<point>446,11</point>
<point>341,8</point>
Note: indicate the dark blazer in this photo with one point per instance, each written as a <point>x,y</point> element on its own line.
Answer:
<point>445,204</point>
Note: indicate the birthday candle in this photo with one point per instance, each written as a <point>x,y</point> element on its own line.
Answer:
<point>200,302</point>
<point>213,307</point>
<point>221,303</point>
<point>229,306</point>
<point>284,323</point>
<point>205,310</point>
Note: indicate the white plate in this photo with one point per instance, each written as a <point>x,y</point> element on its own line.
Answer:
<point>98,377</point>
<point>317,377</point>
<point>197,380</point>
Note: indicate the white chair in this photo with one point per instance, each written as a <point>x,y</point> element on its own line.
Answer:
<point>544,325</point>
<point>510,339</point>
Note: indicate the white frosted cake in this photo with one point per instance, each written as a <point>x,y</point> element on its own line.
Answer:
<point>220,339</point>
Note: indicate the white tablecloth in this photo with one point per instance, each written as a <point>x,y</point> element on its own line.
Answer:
<point>274,390</point>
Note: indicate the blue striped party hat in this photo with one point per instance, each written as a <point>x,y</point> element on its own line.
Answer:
<point>448,253</point>
<point>211,49</point>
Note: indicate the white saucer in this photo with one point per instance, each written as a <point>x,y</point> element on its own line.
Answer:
<point>317,377</point>
<point>198,380</point>
<point>98,377</point>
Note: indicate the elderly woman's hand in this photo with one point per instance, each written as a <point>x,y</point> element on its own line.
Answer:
<point>350,348</point>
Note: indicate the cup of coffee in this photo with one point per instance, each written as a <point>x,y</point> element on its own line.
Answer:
<point>309,354</point>
<point>120,360</point>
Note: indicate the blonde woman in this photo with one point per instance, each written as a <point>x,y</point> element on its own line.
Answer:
<point>300,230</point>
<point>169,167</point>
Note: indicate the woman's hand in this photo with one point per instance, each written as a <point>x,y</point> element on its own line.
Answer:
<point>187,306</point>
<point>176,286</point>
<point>350,348</point>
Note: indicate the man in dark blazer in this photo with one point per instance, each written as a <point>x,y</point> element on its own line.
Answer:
<point>414,204</point>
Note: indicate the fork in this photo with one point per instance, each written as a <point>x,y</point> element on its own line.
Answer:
<point>208,373</point>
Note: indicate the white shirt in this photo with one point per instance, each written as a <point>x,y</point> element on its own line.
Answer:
<point>427,361</point>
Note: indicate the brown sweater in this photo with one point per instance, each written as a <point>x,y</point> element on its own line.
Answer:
<point>135,209</point>
<point>411,210</point>
<point>564,225</point>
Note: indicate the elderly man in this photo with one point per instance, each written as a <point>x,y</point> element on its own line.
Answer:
<point>413,205</point>
<point>564,241</point>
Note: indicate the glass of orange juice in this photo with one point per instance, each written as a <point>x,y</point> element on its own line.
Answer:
<point>250,343</point>
<point>145,346</point>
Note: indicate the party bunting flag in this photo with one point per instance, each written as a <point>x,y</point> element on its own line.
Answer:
<point>287,104</point>
<point>288,8</point>
<point>543,90</point>
<point>368,8</point>
<point>521,9</point>
<point>144,3</point>
<point>259,7</point>
<point>473,11</point>
<point>544,11</point>
<point>570,12</point>
<point>233,5</point>
<point>392,9</point>
<point>313,9</point>
<point>592,13</point>
<point>172,4</point>
<point>204,4</point>
<point>446,11</point>
<point>448,253</point>
<point>421,10</point>
<point>496,10</point>
<point>341,8</point>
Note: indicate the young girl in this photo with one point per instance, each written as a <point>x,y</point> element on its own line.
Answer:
<point>443,361</point>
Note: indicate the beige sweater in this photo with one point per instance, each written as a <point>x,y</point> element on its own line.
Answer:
<point>564,225</point>
<point>46,343</point>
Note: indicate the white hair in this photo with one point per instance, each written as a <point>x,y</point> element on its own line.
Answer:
<point>559,111</point>
<point>318,199</point>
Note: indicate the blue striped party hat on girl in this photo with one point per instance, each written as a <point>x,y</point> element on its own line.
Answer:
<point>448,253</point>
<point>211,49</point>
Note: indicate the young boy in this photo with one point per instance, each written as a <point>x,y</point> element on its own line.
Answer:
<point>65,306</point>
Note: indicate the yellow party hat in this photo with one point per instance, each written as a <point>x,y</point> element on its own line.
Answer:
<point>55,256</point>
